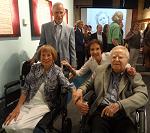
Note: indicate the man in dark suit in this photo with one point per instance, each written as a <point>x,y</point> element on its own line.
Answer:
<point>59,35</point>
<point>99,35</point>
<point>79,44</point>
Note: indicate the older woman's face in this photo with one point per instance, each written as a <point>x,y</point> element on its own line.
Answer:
<point>46,58</point>
<point>119,60</point>
<point>95,51</point>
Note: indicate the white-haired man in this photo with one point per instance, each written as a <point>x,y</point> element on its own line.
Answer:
<point>60,35</point>
<point>118,95</point>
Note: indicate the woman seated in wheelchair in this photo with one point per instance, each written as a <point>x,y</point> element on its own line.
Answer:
<point>39,93</point>
<point>118,95</point>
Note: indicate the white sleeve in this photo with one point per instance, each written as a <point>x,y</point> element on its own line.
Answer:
<point>105,58</point>
<point>84,69</point>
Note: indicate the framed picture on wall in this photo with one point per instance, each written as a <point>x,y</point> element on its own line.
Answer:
<point>66,16</point>
<point>9,18</point>
<point>40,12</point>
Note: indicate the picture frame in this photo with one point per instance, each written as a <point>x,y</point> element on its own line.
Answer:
<point>40,13</point>
<point>9,18</point>
<point>66,16</point>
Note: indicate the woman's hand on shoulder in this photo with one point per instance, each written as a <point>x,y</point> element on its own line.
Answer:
<point>131,71</point>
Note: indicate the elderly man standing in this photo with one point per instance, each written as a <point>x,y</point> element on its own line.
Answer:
<point>118,95</point>
<point>60,35</point>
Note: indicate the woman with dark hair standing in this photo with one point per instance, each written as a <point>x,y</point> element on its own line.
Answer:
<point>98,57</point>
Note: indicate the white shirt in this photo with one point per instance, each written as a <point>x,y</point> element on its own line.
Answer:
<point>38,99</point>
<point>58,29</point>
<point>92,64</point>
<point>99,37</point>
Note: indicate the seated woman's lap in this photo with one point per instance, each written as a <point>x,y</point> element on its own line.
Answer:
<point>28,117</point>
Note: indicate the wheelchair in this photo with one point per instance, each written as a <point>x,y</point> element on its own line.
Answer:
<point>141,119</point>
<point>12,94</point>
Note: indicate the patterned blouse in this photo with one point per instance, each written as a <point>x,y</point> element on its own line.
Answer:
<point>54,80</point>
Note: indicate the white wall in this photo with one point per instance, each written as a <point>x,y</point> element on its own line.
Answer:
<point>15,50</point>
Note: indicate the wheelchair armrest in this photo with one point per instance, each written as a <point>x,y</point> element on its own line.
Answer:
<point>88,95</point>
<point>11,84</point>
<point>141,119</point>
<point>11,92</point>
<point>63,97</point>
<point>142,109</point>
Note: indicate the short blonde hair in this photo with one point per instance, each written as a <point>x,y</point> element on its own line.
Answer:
<point>120,47</point>
<point>49,48</point>
<point>117,16</point>
<point>78,22</point>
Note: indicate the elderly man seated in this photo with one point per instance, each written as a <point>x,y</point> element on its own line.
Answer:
<point>118,95</point>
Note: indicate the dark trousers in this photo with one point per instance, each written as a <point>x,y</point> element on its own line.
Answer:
<point>120,123</point>
<point>80,59</point>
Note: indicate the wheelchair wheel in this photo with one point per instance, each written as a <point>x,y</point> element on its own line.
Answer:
<point>141,120</point>
<point>67,126</point>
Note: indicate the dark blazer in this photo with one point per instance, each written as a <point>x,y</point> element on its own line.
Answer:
<point>104,39</point>
<point>66,44</point>
<point>79,41</point>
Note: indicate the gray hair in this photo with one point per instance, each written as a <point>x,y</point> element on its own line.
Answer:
<point>117,16</point>
<point>120,47</point>
<point>57,4</point>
